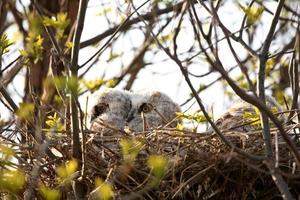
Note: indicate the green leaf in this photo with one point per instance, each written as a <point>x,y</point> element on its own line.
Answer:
<point>104,190</point>
<point>130,149</point>
<point>253,13</point>
<point>180,127</point>
<point>93,85</point>
<point>54,122</point>
<point>6,153</point>
<point>69,45</point>
<point>68,84</point>
<point>60,23</point>
<point>269,66</point>
<point>4,44</point>
<point>64,171</point>
<point>73,85</point>
<point>111,83</point>
<point>197,116</point>
<point>25,111</point>
<point>253,117</point>
<point>35,25</point>
<point>34,48</point>
<point>48,193</point>
<point>158,165</point>
<point>105,10</point>
<point>12,180</point>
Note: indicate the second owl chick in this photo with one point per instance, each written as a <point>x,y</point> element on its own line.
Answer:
<point>150,110</point>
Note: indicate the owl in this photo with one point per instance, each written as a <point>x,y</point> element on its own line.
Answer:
<point>240,115</point>
<point>151,109</point>
<point>111,108</point>
<point>108,116</point>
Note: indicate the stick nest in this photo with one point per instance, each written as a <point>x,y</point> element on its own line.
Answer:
<point>199,166</point>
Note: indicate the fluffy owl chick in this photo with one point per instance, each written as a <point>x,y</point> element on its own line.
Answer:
<point>108,117</point>
<point>150,110</point>
<point>237,117</point>
<point>110,107</point>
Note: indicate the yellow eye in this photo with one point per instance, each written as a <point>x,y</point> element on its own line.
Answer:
<point>145,107</point>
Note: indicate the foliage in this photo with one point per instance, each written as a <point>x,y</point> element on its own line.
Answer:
<point>105,190</point>
<point>130,149</point>
<point>59,23</point>
<point>65,171</point>
<point>34,48</point>
<point>12,180</point>
<point>54,122</point>
<point>4,44</point>
<point>158,166</point>
<point>253,13</point>
<point>6,153</point>
<point>94,85</point>
<point>67,85</point>
<point>26,111</point>
<point>254,118</point>
<point>48,193</point>
<point>196,118</point>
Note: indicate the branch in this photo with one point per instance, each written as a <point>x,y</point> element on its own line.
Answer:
<point>78,186</point>
<point>263,57</point>
<point>111,37</point>
<point>7,97</point>
<point>279,181</point>
<point>294,77</point>
<point>127,24</point>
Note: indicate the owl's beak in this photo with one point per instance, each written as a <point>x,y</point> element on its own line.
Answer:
<point>130,116</point>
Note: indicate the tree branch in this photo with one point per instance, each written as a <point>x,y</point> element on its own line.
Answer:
<point>128,23</point>
<point>263,57</point>
<point>78,187</point>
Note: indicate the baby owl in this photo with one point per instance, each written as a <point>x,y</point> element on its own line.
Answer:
<point>150,110</point>
<point>235,118</point>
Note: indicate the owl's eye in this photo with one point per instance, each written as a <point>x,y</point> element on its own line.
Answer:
<point>99,109</point>
<point>145,107</point>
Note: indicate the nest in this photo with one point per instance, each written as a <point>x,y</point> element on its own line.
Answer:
<point>199,166</point>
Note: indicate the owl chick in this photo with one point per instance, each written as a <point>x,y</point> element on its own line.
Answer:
<point>150,110</point>
<point>110,108</point>
<point>108,118</point>
<point>238,116</point>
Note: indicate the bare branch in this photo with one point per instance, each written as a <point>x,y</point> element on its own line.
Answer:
<point>279,181</point>
<point>263,57</point>
<point>77,148</point>
<point>129,22</point>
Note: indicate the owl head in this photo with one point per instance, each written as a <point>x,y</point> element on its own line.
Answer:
<point>150,110</point>
<point>111,107</point>
<point>235,118</point>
